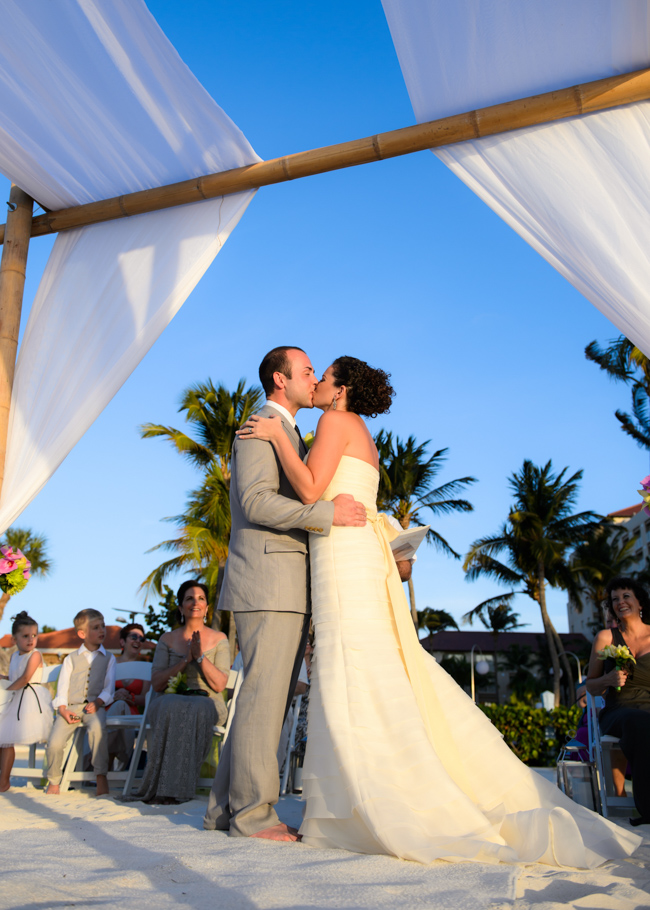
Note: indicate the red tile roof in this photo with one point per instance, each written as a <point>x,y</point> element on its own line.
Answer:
<point>627,513</point>
<point>67,638</point>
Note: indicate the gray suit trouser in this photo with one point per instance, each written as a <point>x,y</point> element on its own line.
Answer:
<point>247,782</point>
<point>95,725</point>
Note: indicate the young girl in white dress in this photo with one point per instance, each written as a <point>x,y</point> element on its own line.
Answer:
<point>28,716</point>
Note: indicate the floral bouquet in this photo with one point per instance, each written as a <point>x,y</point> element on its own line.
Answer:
<point>644,493</point>
<point>177,685</point>
<point>621,654</point>
<point>14,570</point>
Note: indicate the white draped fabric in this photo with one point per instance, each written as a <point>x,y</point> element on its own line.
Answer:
<point>577,191</point>
<point>95,102</point>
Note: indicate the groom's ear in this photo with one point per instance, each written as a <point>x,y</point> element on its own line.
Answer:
<point>279,380</point>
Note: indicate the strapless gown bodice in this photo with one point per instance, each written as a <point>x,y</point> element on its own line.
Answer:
<point>359,479</point>
<point>399,760</point>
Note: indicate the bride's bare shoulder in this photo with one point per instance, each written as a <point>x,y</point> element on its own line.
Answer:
<point>339,422</point>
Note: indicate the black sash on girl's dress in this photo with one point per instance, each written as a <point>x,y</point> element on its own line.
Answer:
<point>22,695</point>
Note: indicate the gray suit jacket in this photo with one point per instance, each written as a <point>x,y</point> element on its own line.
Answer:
<point>268,563</point>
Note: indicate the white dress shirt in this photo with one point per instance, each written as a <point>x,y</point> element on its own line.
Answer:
<point>283,411</point>
<point>108,691</point>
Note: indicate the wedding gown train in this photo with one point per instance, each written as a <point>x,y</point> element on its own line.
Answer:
<point>399,760</point>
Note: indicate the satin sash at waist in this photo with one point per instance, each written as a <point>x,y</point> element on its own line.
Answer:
<point>413,655</point>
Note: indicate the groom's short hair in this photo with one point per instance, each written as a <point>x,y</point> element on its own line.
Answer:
<point>276,361</point>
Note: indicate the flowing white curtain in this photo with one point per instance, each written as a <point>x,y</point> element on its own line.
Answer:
<point>95,102</point>
<point>577,191</point>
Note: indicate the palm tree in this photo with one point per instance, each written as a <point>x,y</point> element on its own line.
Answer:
<point>34,547</point>
<point>624,362</point>
<point>436,620</point>
<point>603,554</point>
<point>496,618</point>
<point>406,489</point>
<point>519,664</point>
<point>201,545</point>
<point>536,540</point>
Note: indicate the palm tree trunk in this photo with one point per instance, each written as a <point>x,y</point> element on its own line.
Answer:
<point>548,630</point>
<point>566,666</point>
<point>4,600</point>
<point>414,612</point>
<point>496,666</point>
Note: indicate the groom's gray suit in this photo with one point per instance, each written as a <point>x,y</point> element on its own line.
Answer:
<point>266,585</point>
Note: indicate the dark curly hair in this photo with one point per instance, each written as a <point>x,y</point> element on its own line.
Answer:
<point>624,581</point>
<point>368,390</point>
<point>182,591</point>
<point>22,619</point>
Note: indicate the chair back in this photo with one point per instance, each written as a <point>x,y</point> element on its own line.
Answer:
<point>50,673</point>
<point>134,669</point>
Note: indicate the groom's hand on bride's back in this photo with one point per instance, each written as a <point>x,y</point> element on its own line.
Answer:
<point>348,512</point>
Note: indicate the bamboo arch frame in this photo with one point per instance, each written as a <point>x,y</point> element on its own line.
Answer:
<point>589,97</point>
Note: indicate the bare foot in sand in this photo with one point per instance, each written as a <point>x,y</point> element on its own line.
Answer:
<point>53,790</point>
<point>278,832</point>
<point>102,785</point>
<point>4,787</point>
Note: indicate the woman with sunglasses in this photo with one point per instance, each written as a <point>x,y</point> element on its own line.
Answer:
<point>130,694</point>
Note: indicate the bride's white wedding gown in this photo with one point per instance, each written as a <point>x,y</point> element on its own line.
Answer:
<point>399,760</point>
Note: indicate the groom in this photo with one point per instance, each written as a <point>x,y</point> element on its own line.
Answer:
<point>266,585</point>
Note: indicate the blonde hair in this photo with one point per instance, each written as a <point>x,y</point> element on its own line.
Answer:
<point>83,617</point>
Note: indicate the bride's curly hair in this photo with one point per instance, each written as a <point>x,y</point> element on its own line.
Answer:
<point>369,392</point>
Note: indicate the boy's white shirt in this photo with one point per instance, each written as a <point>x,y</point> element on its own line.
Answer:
<point>107,692</point>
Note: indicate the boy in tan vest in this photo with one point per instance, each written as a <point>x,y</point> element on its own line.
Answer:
<point>86,686</point>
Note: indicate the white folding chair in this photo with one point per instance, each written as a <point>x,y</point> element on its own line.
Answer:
<point>600,754</point>
<point>297,702</point>
<point>134,669</point>
<point>235,679</point>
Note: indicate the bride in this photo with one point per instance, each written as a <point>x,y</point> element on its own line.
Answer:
<point>399,760</point>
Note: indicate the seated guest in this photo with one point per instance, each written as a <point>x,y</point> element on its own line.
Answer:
<point>130,694</point>
<point>627,711</point>
<point>182,724</point>
<point>86,685</point>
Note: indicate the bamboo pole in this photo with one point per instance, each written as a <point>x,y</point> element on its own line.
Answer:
<point>489,121</point>
<point>12,282</point>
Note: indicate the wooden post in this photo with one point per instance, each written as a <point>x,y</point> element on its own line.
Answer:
<point>576,100</point>
<point>12,282</point>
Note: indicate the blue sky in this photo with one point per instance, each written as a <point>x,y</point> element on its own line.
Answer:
<point>395,262</point>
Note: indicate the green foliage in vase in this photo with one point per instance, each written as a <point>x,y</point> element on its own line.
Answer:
<point>34,547</point>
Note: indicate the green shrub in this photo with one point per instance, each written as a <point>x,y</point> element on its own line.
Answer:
<point>533,734</point>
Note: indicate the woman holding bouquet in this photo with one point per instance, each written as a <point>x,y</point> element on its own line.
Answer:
<point>627,683</point>
<point>190,659</point>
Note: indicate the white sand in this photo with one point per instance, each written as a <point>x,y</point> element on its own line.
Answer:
<point>78,851</point>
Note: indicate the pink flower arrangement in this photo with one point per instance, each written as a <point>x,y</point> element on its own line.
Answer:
<point>14,570</point>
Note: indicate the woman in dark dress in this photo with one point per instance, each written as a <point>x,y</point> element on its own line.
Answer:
<point>182,724</point>
<point>627,712</point>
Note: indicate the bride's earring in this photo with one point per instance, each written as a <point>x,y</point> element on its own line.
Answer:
<point>333,404</point>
